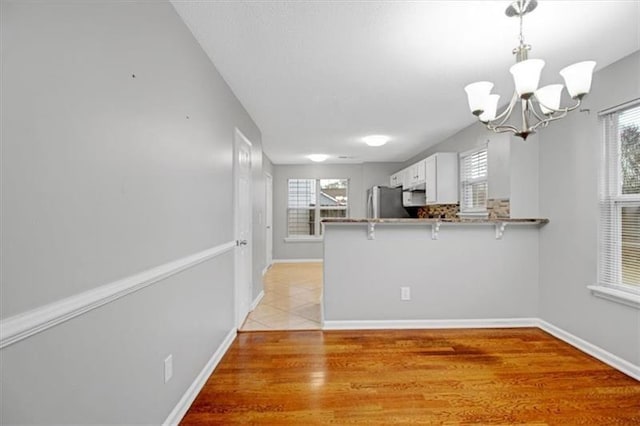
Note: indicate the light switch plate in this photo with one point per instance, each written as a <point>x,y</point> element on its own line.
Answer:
<point>405,293</point>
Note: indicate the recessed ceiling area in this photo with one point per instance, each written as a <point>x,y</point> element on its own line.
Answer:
<point>319,76</point>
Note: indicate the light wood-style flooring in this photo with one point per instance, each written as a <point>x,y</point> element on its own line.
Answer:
<point>480,376</point>
<point>292,295</point>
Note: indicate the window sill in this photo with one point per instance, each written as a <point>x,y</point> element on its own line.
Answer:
<point>303,240</point>
<point>615,295</point>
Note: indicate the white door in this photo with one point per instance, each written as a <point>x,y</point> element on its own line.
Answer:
<point>242,215</point>
<point>269,217</point>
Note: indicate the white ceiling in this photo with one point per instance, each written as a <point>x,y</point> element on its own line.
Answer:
<point>316,76</point>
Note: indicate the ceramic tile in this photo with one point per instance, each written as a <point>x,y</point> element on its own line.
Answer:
<point>291,301</point>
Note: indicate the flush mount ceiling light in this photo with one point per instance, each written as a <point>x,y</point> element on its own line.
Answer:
<point>539,106</point>
<point>318,158</point>
<point>376,140</point>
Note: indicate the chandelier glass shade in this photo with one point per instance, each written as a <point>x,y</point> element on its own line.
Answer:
<point>539,106</point>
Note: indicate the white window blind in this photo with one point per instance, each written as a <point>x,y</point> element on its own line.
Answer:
<point>619,242</point>
<point>301,207</point>
<point>310,201</point>
<point>473,181</point>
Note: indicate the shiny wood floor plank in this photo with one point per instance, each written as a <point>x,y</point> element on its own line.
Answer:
<point>451,377</point>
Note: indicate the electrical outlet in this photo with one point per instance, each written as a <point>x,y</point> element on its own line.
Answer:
<point>168,368</point>
<point>405,293</point>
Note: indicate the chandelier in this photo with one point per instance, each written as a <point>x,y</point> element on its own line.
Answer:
<point>539,106</point>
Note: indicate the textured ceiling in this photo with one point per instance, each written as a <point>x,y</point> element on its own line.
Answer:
<point>316,76</point>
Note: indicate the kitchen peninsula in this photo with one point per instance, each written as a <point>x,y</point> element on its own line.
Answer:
<point>390,273</point>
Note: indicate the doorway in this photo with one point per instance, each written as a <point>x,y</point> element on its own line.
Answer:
<point>268,190</point>
<point>242,214</point>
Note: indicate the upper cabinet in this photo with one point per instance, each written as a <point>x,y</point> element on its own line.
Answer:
<point>397,179</point>
<point>441,171</point>
<point>415,175</point>
<point>437,175</point>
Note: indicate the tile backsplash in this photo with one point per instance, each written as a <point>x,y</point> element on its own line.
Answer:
<point>439,211</point>
<point>497,208</point>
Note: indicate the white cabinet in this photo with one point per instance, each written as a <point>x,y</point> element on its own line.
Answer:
<point>415,176</point>
<point>396,179</point>
<point>441,183</point>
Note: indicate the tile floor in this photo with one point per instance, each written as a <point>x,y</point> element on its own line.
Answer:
<point>292,294</point>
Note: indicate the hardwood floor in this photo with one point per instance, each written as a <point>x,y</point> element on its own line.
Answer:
<point>292,295</point>
<point>481,376</point>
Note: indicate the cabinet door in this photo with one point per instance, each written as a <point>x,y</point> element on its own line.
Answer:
<point>421,171</point>
<point>431,176</point>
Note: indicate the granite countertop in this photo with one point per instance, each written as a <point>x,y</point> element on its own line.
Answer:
<point>525,220</point>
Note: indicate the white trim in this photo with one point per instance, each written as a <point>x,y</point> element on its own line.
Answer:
<point>426,324</point>
<point>298,260</point>
<point>619,296</point>
<point>266,268</point>
<point>616,108</point>
<point>257,300</point>
<point>595,351</point>
<point>26,324</point>
<point>189,396</point>
<point>303,239</point>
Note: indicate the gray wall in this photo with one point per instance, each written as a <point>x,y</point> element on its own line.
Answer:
<point>361,177</point>
<point>465,274</point>
<point>569,197</point>
<point>103,176</point>
<point>513,165</point>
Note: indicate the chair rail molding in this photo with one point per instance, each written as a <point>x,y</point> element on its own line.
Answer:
<point>26,324</point>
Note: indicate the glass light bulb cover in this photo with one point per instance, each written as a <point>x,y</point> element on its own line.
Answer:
<point>526,75</point>
<point>318,158</point>
<point>490,108</point>
<point>376,140</point>
<point>477,95</point>
<point>549,97</point>
<point>577,77</point>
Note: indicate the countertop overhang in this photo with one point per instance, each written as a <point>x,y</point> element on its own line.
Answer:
<point>435,223</point>
<point>532,221</point>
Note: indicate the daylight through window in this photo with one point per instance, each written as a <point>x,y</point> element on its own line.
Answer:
<point>310,201</point>
<point>620,201</point>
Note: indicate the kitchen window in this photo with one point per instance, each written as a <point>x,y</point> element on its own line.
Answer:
<point>310,201</point>
<point>474,182</point>
<point>619,242</point>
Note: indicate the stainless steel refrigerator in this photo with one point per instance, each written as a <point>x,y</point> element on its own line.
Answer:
<point>385,202</point>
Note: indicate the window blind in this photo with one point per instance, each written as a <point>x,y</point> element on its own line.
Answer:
<point>473,181</point>
<point>311,200</point>
<point>619,242</point>
<point>301,207</point>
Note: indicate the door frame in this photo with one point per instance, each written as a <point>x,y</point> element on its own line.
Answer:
<point>241,310</point>
<point>268,217</point>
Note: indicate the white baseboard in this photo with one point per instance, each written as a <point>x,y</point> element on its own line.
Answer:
<point>427,324</point>
<point>256,301</point>
<point>189,396</point>
<point>297,260</point>
<point>595,351</point>
<point>266,268</point>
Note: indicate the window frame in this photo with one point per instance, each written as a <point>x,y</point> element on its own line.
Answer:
<point>317,208</point>
<point>476,211</point>
<point>611,202</point>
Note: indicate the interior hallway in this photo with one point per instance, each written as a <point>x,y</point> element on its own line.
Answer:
<point>292,295</point>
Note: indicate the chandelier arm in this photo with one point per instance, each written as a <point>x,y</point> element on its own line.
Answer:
<point>535,113</point>
<point>563,110</point>
<point>550,119</point>
<point>503,129</point>
<point>507,112</point>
